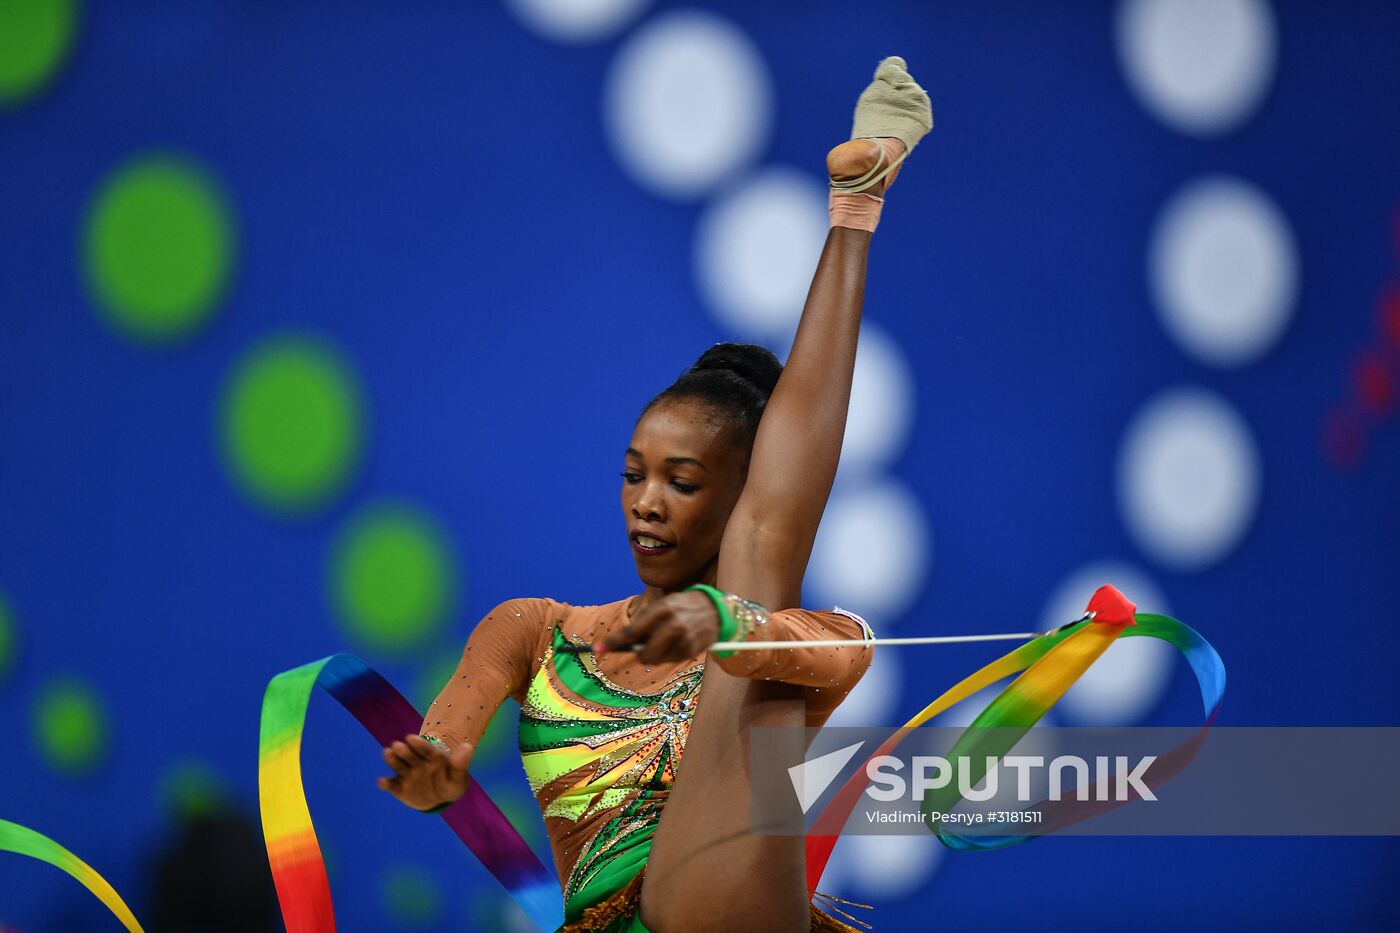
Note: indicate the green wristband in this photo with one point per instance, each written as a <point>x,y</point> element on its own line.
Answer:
<point>729,627</point>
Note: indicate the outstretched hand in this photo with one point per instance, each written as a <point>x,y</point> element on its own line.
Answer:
<point>426,775</point>
<point>674,628</point>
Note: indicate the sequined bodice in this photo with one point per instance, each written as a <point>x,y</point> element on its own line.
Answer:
<point>588,744</point>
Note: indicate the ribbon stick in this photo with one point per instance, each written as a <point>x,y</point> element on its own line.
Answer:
<point>1051,664</point>
<point>824,643</point>
<point>868,642</point>
<point>24,841</point>
<point>293,852</point>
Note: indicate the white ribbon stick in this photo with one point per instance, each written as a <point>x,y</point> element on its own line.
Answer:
<point>860,642</point>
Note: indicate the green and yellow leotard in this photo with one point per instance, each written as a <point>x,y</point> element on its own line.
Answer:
<point>600,740</point>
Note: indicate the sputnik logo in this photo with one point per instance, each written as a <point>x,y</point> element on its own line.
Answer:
<point>811,778</point>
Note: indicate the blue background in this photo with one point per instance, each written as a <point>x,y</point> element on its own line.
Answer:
<point>428,186</point>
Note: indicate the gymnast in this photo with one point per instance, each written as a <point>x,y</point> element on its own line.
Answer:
<point>724,483</point>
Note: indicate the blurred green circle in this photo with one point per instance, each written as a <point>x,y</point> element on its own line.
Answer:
<point>524,815</point>
<point>158,248</point>
<point>410,895</point>
<point>70,726</point>
<point>392,578</point>
<point>35,38</point>
<point>292,424</point>
<point>7,638</point>
<point>191,789</point>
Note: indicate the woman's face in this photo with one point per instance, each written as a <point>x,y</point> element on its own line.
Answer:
<point>683,473</point>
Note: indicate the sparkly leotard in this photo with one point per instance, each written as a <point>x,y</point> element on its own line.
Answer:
<point>600,738</point>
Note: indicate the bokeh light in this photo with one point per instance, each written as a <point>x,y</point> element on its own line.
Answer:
<point>1223,268</point>
<point>190,789</point>
<point>755,248</point>
<point>576,21</point>
<point>688,101</point>
<point>884,866</point>
<point>8,638</point>
<point>392,578</point>
<point>158,248</point>
<point>35,39</point>
<point>292,424</point>
<point>1200,66</point>
<point>881,415</point>
<point>524,815</point>
<point>1188,478</point>
<point>873,551</point>
<point>410,895</point>
<point>70,726</point>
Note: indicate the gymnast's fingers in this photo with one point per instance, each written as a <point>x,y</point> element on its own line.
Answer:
<point>668,644</point>
<point>458,759</point>
<point>395,761</point>
<point>407,755</point>
<point>392,785</point>
<point>640,629</point>
<point>422,748</point>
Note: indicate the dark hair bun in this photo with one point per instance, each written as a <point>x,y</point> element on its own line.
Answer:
<point>733,379</point>
<point>753,364</point>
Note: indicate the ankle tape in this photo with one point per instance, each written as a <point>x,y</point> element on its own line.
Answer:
<point>857,211</point>
<point>849,204</point>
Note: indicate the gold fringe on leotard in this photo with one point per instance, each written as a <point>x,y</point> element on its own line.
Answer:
<point>624,903</point>
<point>823,922</point>
<point>628,901</point>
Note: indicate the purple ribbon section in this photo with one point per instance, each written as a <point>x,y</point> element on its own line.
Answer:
<point>475,818</point>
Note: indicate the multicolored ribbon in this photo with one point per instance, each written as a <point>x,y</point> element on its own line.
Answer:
<point>1051,664</point>
<point>24,841</point>
<point>292,850</point>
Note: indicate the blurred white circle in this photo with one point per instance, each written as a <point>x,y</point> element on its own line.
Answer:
<point>881,413</point>
<point>576,20</point>
<point>1188,478</point>
<point>882,866</point>
<point>874,701</point>
<point>1224,271</point>
<point>756,249</point>
<point>1199,66</point>
<point>872,551</point>
<point>1126,684</point>
<point>688,102</point>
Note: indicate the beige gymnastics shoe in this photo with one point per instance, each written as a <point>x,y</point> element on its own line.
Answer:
<point>893,106</point>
